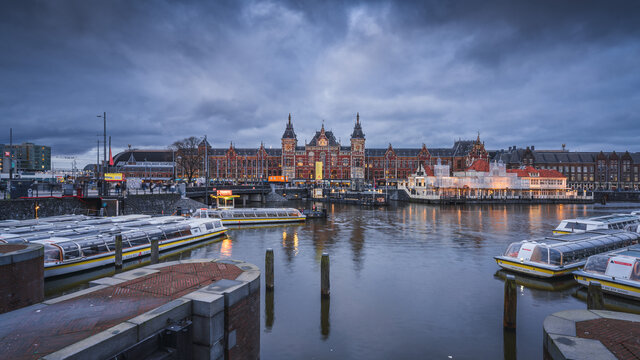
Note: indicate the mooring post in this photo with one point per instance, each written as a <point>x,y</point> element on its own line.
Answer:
<point>118,251</point>
<point>510,302</point>
<point>155,252</point>
<point>268,266</point>
<point>324,275</point>
<point>595,300</point>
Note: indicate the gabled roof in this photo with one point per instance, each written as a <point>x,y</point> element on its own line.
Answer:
<point>462,147</point>
<point>479,165</point>
<point>543,173</point>
<point>328,134</point>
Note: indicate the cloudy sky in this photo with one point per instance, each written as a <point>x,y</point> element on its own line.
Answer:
<point>521,73</point>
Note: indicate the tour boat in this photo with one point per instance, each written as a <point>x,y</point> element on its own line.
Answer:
<point>243,216</point>
<point>617,272</point>
<point>66,255</point>
<point>580,225</point>
<point>560,255</point>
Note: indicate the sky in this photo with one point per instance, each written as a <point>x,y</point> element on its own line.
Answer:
<point>543,73</point>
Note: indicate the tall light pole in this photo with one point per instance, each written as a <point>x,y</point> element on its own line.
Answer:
<point>104,153</point>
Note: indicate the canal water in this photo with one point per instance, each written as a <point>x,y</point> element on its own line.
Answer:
<point>407,282</point>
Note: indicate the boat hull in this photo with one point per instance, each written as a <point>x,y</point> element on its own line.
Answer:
<point>528,269</point>
<point>609,285</point>
<point>51,270</point>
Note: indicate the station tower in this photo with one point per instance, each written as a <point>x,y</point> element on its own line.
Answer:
<point>289,143</point>
<point>357,151</point>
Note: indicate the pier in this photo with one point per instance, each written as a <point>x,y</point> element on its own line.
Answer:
<point>215,302</point>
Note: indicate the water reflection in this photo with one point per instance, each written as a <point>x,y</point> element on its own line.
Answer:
<point>559,284</point>
<point>509,344</point>
<point>269,316</point>
<point>325,325</point>
<point>290,244</point>
<point>226,248</point>
<point>611,302</point>
<point>357,242</point>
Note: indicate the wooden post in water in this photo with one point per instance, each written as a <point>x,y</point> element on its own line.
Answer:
<point>510,302</point>
<point>268,266</point>
<point>595,300</point>
<point>118,251</point>
<point>324,275</point>
<point>155,252</point>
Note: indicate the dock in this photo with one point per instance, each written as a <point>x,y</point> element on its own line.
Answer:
<point>591,334</point>
<point>130,313</point>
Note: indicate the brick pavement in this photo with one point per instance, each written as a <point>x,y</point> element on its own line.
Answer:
<point>621,337</point>
<point>35,331</point>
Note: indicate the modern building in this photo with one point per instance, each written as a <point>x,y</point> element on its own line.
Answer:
<point>26,157</point>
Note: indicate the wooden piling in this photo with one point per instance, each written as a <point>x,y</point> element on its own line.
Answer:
<point>155,252</point>
<point>268,266</point>
<point>510,302</point>
<point>595,299</point>
<point>118,251</point>
<point>324,275</point>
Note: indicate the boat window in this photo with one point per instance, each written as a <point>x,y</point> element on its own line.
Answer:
<point>580,226</point>
<point>214,214</point>
<point>281,213</point>
<point>172,232</point>
<point>271,214</point>
<point>635,273</point>
<point>513,249</point>
<point>569,225</point>
<point>294,213</point>
<point>51,253</point>
<point>209,225</point>
<point>555,257</point>
<point>70,250</point>
<point>137,238</point>
<point>597,264</point>
<point>155,234</point>
<point>185,230</point>
<point>218,224</point>
<point>540,254</point>
<point>92,246</point>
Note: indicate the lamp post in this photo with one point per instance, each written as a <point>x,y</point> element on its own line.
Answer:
<point>104,153</point>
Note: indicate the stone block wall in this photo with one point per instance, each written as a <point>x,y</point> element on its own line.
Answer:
<point>21,276</point>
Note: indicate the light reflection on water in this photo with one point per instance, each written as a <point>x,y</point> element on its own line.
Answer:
<point>411,281</point>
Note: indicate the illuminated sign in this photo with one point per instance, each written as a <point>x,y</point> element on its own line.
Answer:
<point>225,192</point>
<point>113,177</point>
<point>7,154</point>
<point>277,179</point>
<point>318,170</point>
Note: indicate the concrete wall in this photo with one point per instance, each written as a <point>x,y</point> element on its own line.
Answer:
<point>21,276</point>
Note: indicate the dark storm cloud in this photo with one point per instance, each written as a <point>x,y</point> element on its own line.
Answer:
<point>521,73</point>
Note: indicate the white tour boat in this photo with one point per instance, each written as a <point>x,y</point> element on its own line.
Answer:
<point>617,272</point>
<point>67,255</point>
<point>242,216</point>
<point>580,225</point>
<point>560,255</point>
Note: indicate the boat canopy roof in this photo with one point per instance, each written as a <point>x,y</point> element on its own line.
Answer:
<point>558,251</point>
<point>607,219</point>
<point>249,212</point>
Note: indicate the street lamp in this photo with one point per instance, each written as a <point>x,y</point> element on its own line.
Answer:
<point>104,153</point>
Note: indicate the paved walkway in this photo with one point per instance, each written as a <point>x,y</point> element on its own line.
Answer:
<point>592,334</point>
<point>41,329</point>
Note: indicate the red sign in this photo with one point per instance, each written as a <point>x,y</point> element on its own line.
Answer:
<point>225,192</point>
<point>7,154</point>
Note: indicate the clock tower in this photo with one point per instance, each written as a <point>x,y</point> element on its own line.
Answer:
<point>357,151</point>
<point>289,143</point>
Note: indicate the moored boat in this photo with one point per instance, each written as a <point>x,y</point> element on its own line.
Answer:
<point>241,216</point>
<point>580,225</point>
<point>560,255</point>
<point>67,255</point>
<point>617,272</point>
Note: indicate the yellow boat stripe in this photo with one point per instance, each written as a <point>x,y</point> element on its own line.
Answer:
<point>535,268</point>
<point>608,283</point>
<point>264,219</point>
<point>108,257</point>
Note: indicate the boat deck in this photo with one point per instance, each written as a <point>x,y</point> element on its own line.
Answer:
<point>41,329</point>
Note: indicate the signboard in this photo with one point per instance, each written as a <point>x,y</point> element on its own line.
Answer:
<point>225,192</point>
<point>318,170</point>
<point>7,154</point>
<point>113,177</point>
<point>277,179</point>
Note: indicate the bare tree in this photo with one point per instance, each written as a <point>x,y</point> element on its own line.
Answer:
<point>188,158</point>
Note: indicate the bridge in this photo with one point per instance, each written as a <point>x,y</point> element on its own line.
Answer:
<point>247,193</point>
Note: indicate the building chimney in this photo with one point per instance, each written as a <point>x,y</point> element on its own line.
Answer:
<point>533,147</point>
<point>563,146</point>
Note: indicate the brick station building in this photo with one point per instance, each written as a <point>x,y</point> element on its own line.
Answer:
<point>356,162</point>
